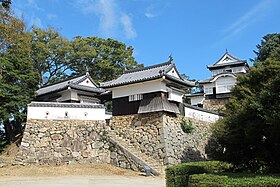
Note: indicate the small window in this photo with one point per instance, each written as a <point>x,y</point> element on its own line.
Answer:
<point>86,114</point>
<point>87,81</point>
<point>229,70</point>
<point>66,114</point>
<point>135,97</point>
<point>47,113</point>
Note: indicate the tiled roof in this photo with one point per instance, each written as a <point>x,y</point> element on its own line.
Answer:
<point>144,74</point>
<point>234,61</point>
<point>65,105</point>
<point>227,64</point>
<point>72,83</point>
<point>213,77</point>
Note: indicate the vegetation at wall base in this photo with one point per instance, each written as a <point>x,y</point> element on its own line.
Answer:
<point>177,176</point>
<point>233,180</point>
<point>215,174</point>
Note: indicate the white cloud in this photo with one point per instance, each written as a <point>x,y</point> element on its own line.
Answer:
<point>110,15</point>
<point>249,18</point>
<point>252,16</point>
<point>35,21</point>
<point>128,27</point>
<point>51,16</point>
<point>150,15</point>
<point>33,4</point>
<point>156,8</point>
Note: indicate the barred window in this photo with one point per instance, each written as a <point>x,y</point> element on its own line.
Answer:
<point>135,97</point>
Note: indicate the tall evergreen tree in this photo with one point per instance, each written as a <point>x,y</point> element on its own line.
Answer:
<point>249,132</point>
<point>17,77</point>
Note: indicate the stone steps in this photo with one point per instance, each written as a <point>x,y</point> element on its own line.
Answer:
<point>141,158</point>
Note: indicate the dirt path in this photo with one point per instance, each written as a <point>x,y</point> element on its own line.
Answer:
<point>75,175</point>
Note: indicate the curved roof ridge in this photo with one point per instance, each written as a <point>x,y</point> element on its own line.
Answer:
<point>229,54</point>
<point>64,80</point>
<point>148,67</point>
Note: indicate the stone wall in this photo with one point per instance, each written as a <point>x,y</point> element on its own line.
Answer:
<point>216,105</point>
<point>143,131</point>
<point>63,142</point>
<point>160,135</point>
<point>181,146</point>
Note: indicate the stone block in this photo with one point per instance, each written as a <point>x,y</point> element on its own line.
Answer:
<point>24,144</point>
<point>56,137</point>
<point>76,154</point>
<point>114,155</point>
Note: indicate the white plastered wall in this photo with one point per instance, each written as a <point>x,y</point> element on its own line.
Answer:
<point>139,88</point>
<point>87,82</point>
<point>197,100</point>
<point>201,115</point>
<point>59,113</point>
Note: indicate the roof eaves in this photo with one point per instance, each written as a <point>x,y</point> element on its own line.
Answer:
<point>184,82</point>
<point>147,67</point>
<point>65,80</point>
<point>86,88</point>
<point>130,82</point>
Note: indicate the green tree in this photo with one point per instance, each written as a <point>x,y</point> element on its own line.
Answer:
<point>50,55</point>
<point>105,59</point>
<point>268,46</point>
<point>248,135</point>
<point>6,3</point>
<point>17,77</point>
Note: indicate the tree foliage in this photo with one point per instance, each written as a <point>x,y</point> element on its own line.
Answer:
<point>29,60</point>
<point>17,77</point>
<point>55,57</point>
<point>249,133</point>
<point>105,59</point>
<point>50,55</point>
<point>6,3</point>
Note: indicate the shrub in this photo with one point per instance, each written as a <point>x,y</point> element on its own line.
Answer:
<point>186,126</point>
<point>233,180</point>
<point>177,176</point>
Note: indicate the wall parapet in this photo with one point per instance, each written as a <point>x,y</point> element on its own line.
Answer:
<point>201,114</point>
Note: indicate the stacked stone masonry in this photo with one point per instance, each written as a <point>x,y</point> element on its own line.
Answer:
<point>143,131</point>
<point>160,136</point>
<point>57,142</point>
<point>216,105</point>
<point>157,135</point>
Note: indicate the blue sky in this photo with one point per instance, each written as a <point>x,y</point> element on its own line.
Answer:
<point>196,32</point>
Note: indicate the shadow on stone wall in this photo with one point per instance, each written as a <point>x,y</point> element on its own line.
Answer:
<point>191,155</point>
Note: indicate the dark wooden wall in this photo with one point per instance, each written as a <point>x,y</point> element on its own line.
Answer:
<point>121,106</point>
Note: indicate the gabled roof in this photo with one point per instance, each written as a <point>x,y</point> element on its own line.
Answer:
<point>211,79</point>
<point>227,60</point>
<point>146,74</point>
<point>72,83</point>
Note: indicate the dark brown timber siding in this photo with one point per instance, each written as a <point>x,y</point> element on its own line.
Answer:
<point>121,106</point>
